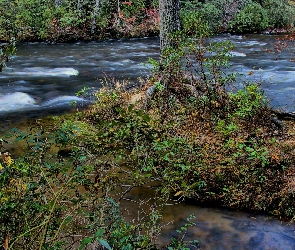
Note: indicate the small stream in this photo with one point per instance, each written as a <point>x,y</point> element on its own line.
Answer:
<point>43,79</point>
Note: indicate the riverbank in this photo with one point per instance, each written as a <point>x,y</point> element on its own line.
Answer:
<point>120,144</point>
<point>243,164</point>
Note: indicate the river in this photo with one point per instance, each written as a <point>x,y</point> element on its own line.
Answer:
<point>43,79</point>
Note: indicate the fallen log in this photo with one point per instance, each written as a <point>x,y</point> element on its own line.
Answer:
<point>284,115</point>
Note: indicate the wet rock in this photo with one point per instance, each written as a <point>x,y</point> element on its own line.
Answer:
<point>16,101</point>
<point>255,241</point>
<point>243,225</point>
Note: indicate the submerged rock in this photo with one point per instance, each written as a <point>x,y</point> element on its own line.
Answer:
<point>16,101</point>
<point>45,71</point>
<point>65,100</point>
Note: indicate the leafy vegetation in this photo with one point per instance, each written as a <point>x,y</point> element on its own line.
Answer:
<point>244,16</point>
<point>253,18</point>
<point>189,138</point>
<point>64,195</point>
<point>279,14</point>
<point>184,134</point>
<point>66,20</point>
<point>77,20</point>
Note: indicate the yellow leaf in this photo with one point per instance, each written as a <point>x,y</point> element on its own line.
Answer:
<point>178,193</point>
<point>5,245</point>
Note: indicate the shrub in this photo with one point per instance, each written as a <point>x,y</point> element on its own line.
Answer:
<point>62,191</point>
<point>253,18</point>
<point>229,9</point>
<point>33,17</point>
<point>279,13</point>
<point>194,13</point>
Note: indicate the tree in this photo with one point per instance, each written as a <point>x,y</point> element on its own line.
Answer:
<point>95,14</point>
<point>6,51</point>
<point>169,21</point>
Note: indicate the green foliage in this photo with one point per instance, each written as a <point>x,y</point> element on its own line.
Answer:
<point>253,18</point>
<point>73,20</point>
<point>42,202</point>
<point>133,9</point>
<point>244,105</point>
<point>84,20</point>
<point>212,15</point>
<point>197,66</point>
<point>179,243</point>
<point>193,24</point>
<point>257,154</point>
<point>248,102</point>
<point>280,14</point>
<point>208,14</point>
<point>243,16</point>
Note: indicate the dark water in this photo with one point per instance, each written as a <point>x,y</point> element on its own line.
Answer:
<point>43,79</point>
<point>255,57</point>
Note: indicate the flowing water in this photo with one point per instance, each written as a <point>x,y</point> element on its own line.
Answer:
<point>43,79</point>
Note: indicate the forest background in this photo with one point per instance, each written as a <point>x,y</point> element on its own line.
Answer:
<point>64,20</point>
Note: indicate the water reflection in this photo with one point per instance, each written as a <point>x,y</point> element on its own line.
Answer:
<point>222,229</point>
<point>215,228</point>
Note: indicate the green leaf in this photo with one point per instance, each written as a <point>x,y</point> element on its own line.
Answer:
<point>84,243</point>
<point>146,118</point>
<point>99,233</point>
<point>105,244</point>
<point>130,108</point>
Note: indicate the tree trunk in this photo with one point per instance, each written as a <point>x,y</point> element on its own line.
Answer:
<point>79,5</point>
<point>95,14</point>
<point>58,3</point>
<point>169,21</point>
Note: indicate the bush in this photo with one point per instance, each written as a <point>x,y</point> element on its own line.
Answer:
<point>241,16</point>
<point>279,13</point>
<point>212,15</point>
<point>63,192</point>
<point>72,20</point>
<point>229,9</point>
<point>192,14</point>
<point>33,17</point>
<point>253,18</point>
